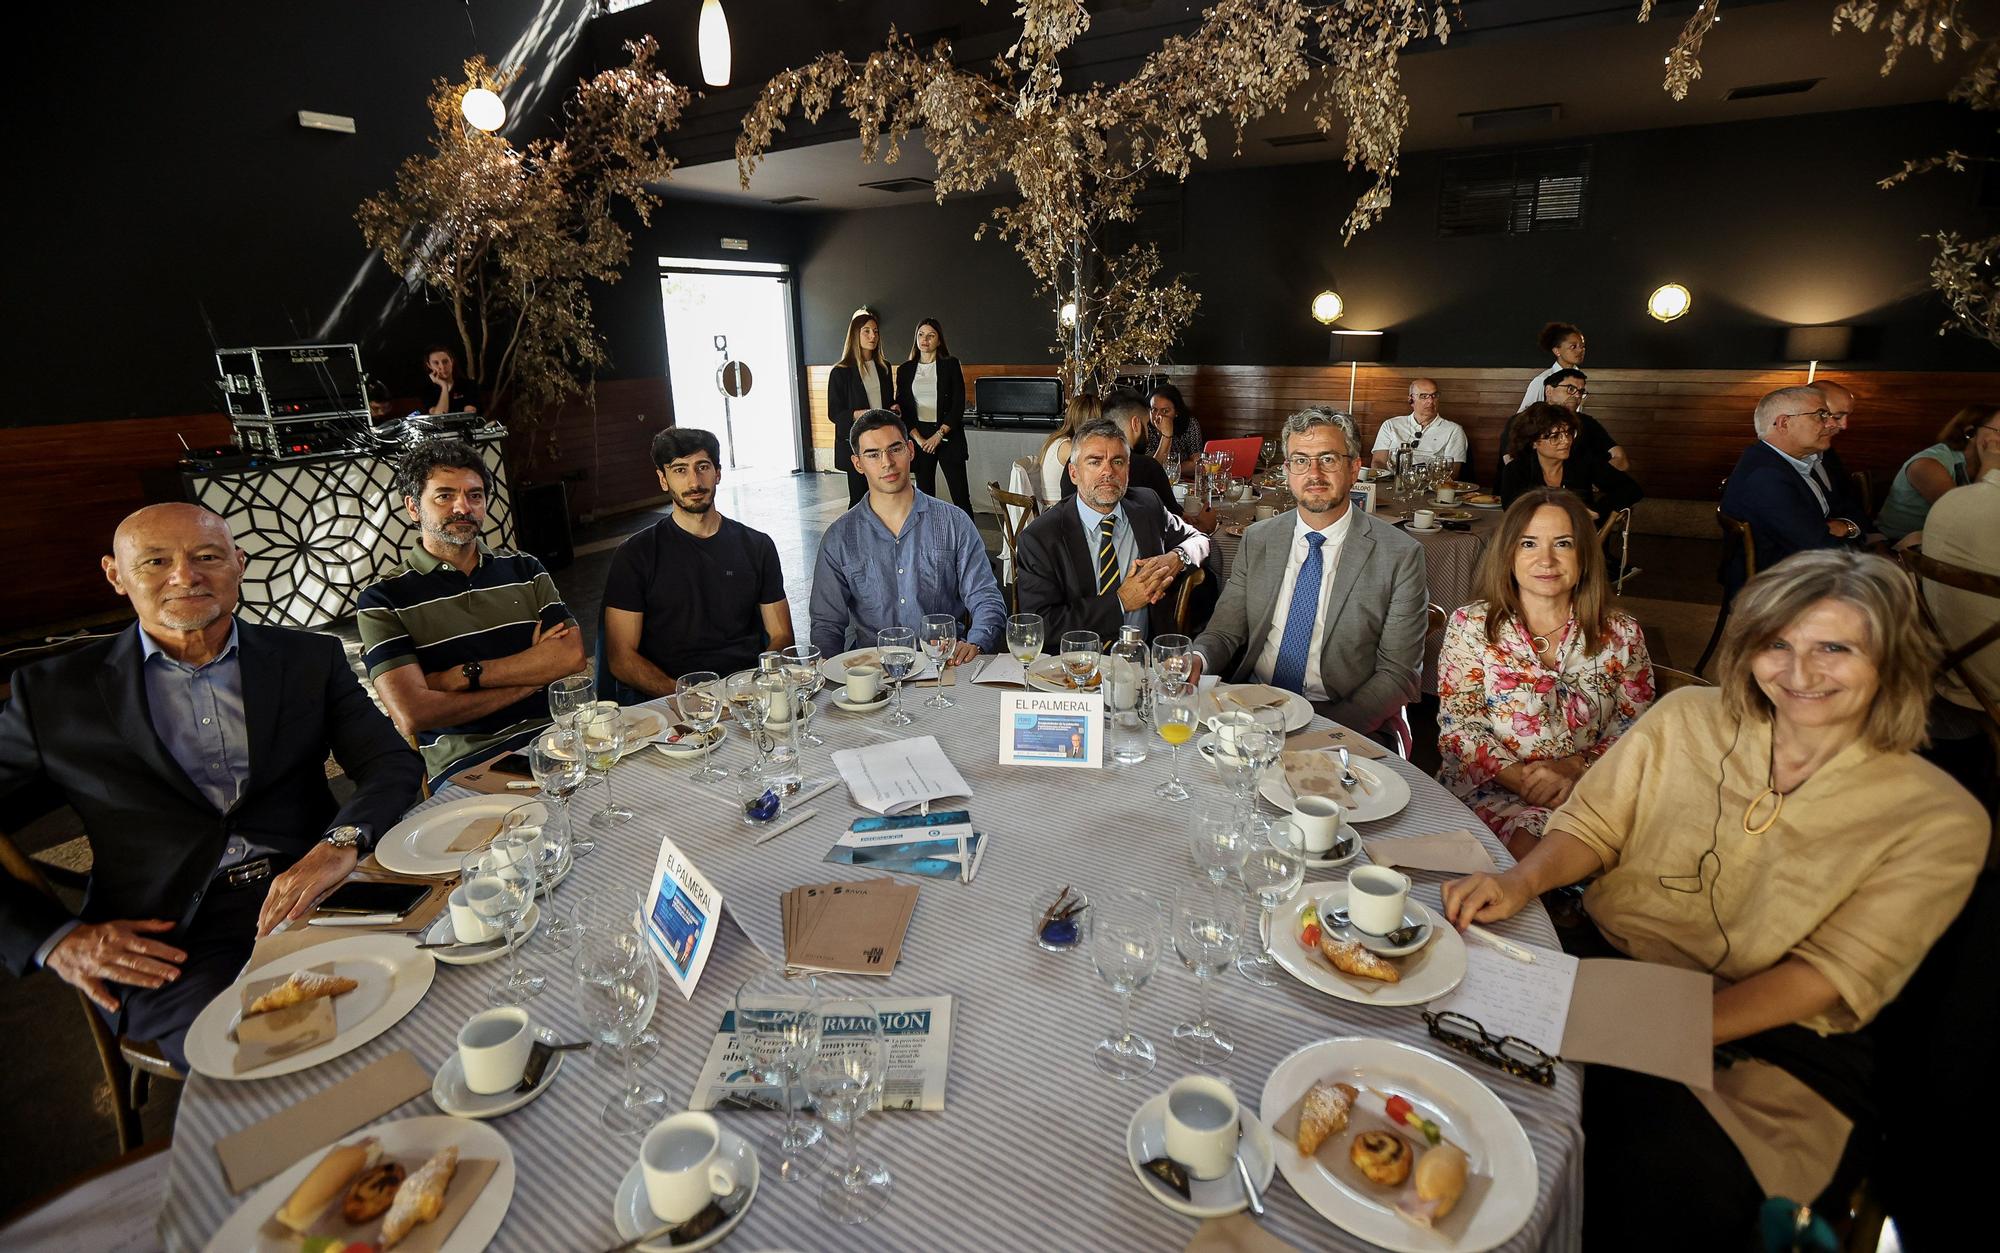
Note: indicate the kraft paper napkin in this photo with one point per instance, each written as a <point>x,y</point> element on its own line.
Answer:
<point>298,935</point>
<point>477,834</point>
<point>267,1149</point>
<point>1454,852</point>
<point>1338,736</point>
<point>1238,1233</point>
<point>281,1033</point>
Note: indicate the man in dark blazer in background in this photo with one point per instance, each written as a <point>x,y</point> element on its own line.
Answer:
<point>1775,491</point>
<point>194,748</point>
<point>1107,556</point>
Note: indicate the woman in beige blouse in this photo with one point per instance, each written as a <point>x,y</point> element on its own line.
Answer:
<point>1779,832</point>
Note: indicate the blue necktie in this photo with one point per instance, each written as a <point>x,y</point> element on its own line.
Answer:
<point>1290,672</point>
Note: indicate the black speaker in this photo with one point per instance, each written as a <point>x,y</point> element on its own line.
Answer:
<point>541,524</point>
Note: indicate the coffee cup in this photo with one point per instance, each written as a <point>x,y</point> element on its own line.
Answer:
<point>1238,490</point>
<point>1447,495</point>
<point>1423,519</point>
<point>864,684</point>
<point>1201,1122</point>
<point>681,1161</point>
<point>1376,896</point>
<point>1265,511</point>
<point>467,927</point>
<point>1318,819</point>
<point>1229,726</point>
<point>494,1048</point>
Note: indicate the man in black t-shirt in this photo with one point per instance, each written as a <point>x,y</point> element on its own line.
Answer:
<point>696,590</point>
<point>443,391</point>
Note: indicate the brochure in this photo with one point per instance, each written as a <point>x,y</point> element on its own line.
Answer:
<point>918,1032</point>
<point>1047,729</point>
<point>681,914</point>
<point>939,846</point>
<point>900,776</point>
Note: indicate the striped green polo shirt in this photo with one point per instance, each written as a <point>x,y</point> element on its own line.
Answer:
<point>425,613</point>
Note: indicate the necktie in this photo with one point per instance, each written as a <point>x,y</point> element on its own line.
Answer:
<point>1290,672</point>
<point>1107,556</point>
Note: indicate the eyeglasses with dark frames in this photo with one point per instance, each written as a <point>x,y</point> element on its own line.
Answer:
<point>1509,1053</point>
<point>1825,417</point>
<point>1573,389</point>
<point>1328,462</point>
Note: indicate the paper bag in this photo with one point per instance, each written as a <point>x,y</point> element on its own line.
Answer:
<point>265,1038</point>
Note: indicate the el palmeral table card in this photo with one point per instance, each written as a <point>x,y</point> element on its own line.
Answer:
<point>1052,729</point>
<point>682,911</point>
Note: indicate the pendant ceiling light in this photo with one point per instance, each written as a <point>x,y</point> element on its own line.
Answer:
<point>483,110</point>
<point>712,38</point>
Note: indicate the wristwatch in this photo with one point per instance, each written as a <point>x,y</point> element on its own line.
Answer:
<point>344,837</point>
<point>1182,554</point>
<point>471,671</point>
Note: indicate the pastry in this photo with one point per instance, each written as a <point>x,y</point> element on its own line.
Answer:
<point>324,1182</point>
<point>1440,1181</point>
<point>421,1198</point>
<point>1349,958</point>
<point>1323,1114</point>
<point>1381,1156</point>
<point>372,1193</point>
<point>302,986</point>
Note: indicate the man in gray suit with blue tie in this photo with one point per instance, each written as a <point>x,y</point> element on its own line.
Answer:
<point>1325,601</point>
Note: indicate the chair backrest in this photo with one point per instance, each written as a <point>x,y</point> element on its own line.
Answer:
<point>1923,567</point>
<point>1864,491</point>
<point>1737,531</point>
<point>1667,679</point>
<point>1612,521</point>
<point>1243,453</point>
<point>1015,511</point>
<point>1438,618</point>
<point>1185,596</point>
<point>1026,480</point>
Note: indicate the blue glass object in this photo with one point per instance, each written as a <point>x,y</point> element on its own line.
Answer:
<point>764,808</point>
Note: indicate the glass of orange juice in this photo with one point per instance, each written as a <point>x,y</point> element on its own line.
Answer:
<point>1174,718</point>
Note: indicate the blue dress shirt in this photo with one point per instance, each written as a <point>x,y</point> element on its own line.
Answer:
<point>1123,542</point>
<point>867,578</point>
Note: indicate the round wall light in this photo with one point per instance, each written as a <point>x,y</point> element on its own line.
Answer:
<point>1327,308</point>
<point>1669,302</point>
<point>483,110</point>
<point>1067,314</point>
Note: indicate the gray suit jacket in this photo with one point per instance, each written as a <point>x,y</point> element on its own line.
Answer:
<point>1373,651</point>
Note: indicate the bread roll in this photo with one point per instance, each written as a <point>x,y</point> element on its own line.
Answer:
<point>325,1182</point>
<point>1440,1181</point>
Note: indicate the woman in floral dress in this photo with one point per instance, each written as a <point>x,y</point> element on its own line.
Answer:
<point>1540,677</point>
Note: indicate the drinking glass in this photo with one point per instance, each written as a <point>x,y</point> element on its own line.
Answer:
<point>1024,637</point>
<point>1272,871</point>
<point>1081,655</point>
<point>897,648</point>
<point>499,885</point>
<point>1174,719</point>
<point>1220,842</point>
<point>698,701</point>
<point>619,990</point>
<point>556,759</point>
<point>1206,940</point>
<point>1125,931</point>
<point>549,851</point>
<point>778,1027</point>
<point>802,662</point>
<point>1251,748</point>
<point>845,1078</point>
<point>603,729</point>
<point>611,917</point>
<point>746,705</point>
<point>569,694</point>
<point>940,639</point>
<point>1173,659</point>
<point>781,724</point>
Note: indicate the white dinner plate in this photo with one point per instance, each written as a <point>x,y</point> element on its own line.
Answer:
<point>440,931</point>
<point>1046,674</point>
<point>1426,975</point>
<point>835,668</point>
<point>1383,792</point>
<point>633,1213</point>
<point>410,1140</point>
<point>392,972</point>
<point>449,1093</point>
<point>1146,1139</point>
<point>1298,710</point>
<point>1467,1112</point>
<point>419,844</point>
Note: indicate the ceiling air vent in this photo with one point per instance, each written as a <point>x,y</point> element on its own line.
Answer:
<point>1295,141</point>
<point>1522,118</point>
<point>791,200</point>
<point>900,186</point>
<point>1515,193</point>
<point>1757,91</point>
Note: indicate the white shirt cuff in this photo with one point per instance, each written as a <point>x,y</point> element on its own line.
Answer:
<point>49,945</point>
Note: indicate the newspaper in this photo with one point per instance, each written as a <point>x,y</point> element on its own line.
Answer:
<point>918,1033</point>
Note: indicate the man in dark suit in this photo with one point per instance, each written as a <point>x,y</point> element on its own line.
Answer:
<point>194,749</point>
<point>1107,557</point>
<point>1832,473</point>
<point>1128,409</point>
<point>1775,490</point>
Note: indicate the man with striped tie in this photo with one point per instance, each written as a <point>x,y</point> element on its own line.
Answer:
<point>1101,560</point>
<point>1325,601</point>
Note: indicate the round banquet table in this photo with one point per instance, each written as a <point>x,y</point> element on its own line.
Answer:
<point>1029,1149</point>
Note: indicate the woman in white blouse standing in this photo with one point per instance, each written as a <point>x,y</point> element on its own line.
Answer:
<point>930,394</point>
<point>859,383</point>
<point>1566,342</point>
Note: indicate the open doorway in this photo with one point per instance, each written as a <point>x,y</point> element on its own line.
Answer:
<point>737,314</point>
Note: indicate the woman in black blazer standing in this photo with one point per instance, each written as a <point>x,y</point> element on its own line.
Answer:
<point>859,383</point>
<point>930,394</point>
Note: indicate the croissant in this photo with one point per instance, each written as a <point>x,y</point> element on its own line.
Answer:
<point>1324,1114</point>
<point>421,1198</point>
<point>302,986</point>
<point>1349,957</point>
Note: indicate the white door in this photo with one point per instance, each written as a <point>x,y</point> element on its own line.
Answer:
<point>715,317</point>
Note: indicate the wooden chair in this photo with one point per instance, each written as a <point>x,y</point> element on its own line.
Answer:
<point>1923,567</point>
<point>1184,597</point>
<point>1618,520</point>
<point>1667,679</point>
<point>1734,531</point>
<point>1005,503</point>
<point>1864,491</point>
<point>1436,617</point>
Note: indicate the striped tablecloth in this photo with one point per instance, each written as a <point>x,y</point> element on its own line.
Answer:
<point>1028,1152</point>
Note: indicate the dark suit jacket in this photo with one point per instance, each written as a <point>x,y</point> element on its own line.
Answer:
<point>79,723</point>
<point>1785,517</point>
<point>844,394</point>
<point>950,403</point>
<point>1056,572</point>
<point>1602,485</point>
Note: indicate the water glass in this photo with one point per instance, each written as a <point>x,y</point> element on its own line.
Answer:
<point>778,1028</point>
<point>1024,637</point>
<point>1205,937</point>
<point>1272,871</point>
<point>699,701</point>
<point>1220,842</point>
<point>747,707</point>
<point>940,641</point>
<point>1082,654</point>
<point>618,986</point>
<point>845,1078</point>
<point>1174,720</point>
<point>556,760</point>
<point>1125,932</point>
<point>499,886</point>
<point>603,728</point>
<point>802,667</point>
<point>781,724</point>
<point>569,694</point>
<point>1173,660</point>
<point>896,647</point>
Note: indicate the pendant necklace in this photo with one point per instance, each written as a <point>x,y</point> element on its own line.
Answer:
<point>1770,793</point>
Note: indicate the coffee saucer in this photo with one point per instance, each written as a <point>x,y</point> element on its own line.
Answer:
<point>1415,914</point>
<point>1414,529</point>
<point>634,1213</point>
<point>1146,1139</point>
<point>853,707</point>
<point>449,1093</point>
<point>1344,850</point>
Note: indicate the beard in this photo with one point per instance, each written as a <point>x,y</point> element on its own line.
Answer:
<point>190,613</point>
<point>443,533</point>
<point>686,504</point>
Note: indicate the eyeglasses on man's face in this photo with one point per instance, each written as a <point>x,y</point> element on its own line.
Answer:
<point>1423,395</point>
<point>1328,462</point>
<point>1573,389</point>
<point>875,456</point>
<point>1825,417</point>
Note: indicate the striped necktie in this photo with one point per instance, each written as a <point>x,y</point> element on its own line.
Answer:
<point>1107,556</point>
<point>1296,644</point>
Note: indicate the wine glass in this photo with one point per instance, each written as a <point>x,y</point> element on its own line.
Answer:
<point>940,639</point>
<point>549,852</point>
<point>1219,842</point>
<point>699,701</point>
<point>499,884</point>
<point>556,759</point>
<point>619,989</point>
<point>746,705</point>
<point>778,1029</point>
<point>781,726</point>
<point>1081,655</point>
<point>845,1077</point>
<point>1173,659</point>
<point>802,662</point>
<point>603,728</point>
<point>1125,932</point>
<point>1272,871</point>
<point>1174,720</point>
<point>1205,939</point>
<point>569,694</point>
<point>1024,637</point>
<point>612,915</point>
<point>897,648</point>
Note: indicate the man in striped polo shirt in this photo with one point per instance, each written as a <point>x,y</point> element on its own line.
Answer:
<point>461,638</point>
